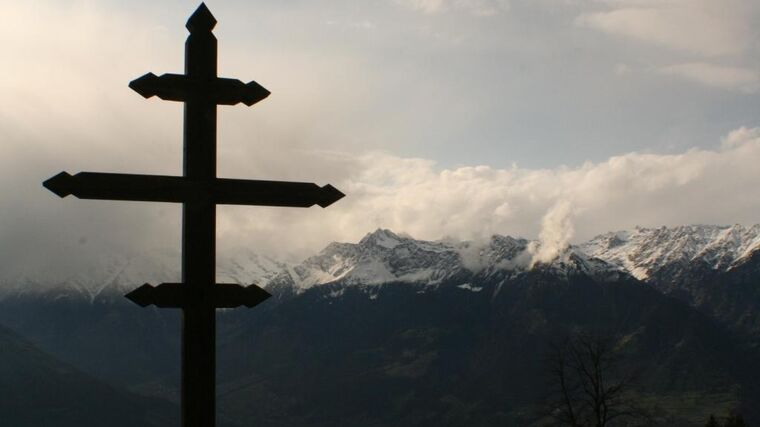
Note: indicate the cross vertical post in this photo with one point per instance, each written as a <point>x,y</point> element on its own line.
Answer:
<point>199,230</point>
<point>199,190</point>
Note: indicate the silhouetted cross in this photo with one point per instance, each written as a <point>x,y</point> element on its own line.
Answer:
<point>199,191</point>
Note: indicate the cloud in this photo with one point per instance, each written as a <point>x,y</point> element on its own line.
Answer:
<point>554,205</point>
<point>736,138</point>
<point>735,78</point>
<point>411,195</point>
<point>474,7</point>
<point>557,230</point>
<point>715,43</point>
<point>698,186</point>
<point>702,27</point>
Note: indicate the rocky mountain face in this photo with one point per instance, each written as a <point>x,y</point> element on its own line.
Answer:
<point>713,268</point>
<point>383,257</point>
<point>394,331</point>
<point>659,256</point>
<point>647,253</point>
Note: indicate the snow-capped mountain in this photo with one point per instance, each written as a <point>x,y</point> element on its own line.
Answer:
<point>383,256</point>
<point>123,272</point>
<point>645,251</point>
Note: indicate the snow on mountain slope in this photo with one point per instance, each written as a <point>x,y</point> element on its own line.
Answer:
<point>247,267</point>
<point>383,256</point>
<point>121,273</point>
<point>379,257</point>
<point>644,251</point>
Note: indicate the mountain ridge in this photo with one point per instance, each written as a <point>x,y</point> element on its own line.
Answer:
<point>384,256</point>
<point>643,251</point>
<point>639,252</point>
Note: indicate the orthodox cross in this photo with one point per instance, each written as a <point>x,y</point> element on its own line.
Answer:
<point>199,190</point>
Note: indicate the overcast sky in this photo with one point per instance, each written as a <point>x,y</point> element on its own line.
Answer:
<point>437,118</point>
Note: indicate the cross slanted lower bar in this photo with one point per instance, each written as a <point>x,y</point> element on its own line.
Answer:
<point>199,191</point>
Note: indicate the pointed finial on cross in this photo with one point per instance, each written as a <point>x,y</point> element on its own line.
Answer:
<point>201,20</point>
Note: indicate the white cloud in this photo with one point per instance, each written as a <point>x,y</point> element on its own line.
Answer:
<point>414,196</point>
<point>622,69</point>
<point>474,7</point>
<point>557,230</point>
<point>704,27</point>
<point>426,6</point>
<point>554,205</point>
<point>716,40</point>
<point>736,78</point>
<point>737,138</point>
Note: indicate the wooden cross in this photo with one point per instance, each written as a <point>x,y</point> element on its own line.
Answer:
<point>199,191</point>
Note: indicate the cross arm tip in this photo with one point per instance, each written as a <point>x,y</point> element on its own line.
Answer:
<point>255,295</point>
<point>59,184</point>
<point>255,93</point>
<point>141,296</point>
<point>145,85</point>
<point>330,195</point>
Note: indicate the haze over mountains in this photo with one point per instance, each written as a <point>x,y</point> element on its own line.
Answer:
<point>394,331</point>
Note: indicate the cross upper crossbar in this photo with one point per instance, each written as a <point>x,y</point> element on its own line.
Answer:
<point>179,87</point>
<point>178,189</point>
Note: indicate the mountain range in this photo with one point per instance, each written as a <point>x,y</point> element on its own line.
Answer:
<point>382,256</point>
<point>397,331</point>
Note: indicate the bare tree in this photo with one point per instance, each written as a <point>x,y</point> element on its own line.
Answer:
<point>589,387</point>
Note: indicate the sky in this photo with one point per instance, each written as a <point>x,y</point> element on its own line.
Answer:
<point>546,119</point>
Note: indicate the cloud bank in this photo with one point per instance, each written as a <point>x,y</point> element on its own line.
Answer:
<point>413,196</point>
<point>557,206</point>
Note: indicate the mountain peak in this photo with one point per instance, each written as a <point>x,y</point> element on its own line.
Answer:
<point>382,237</point>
